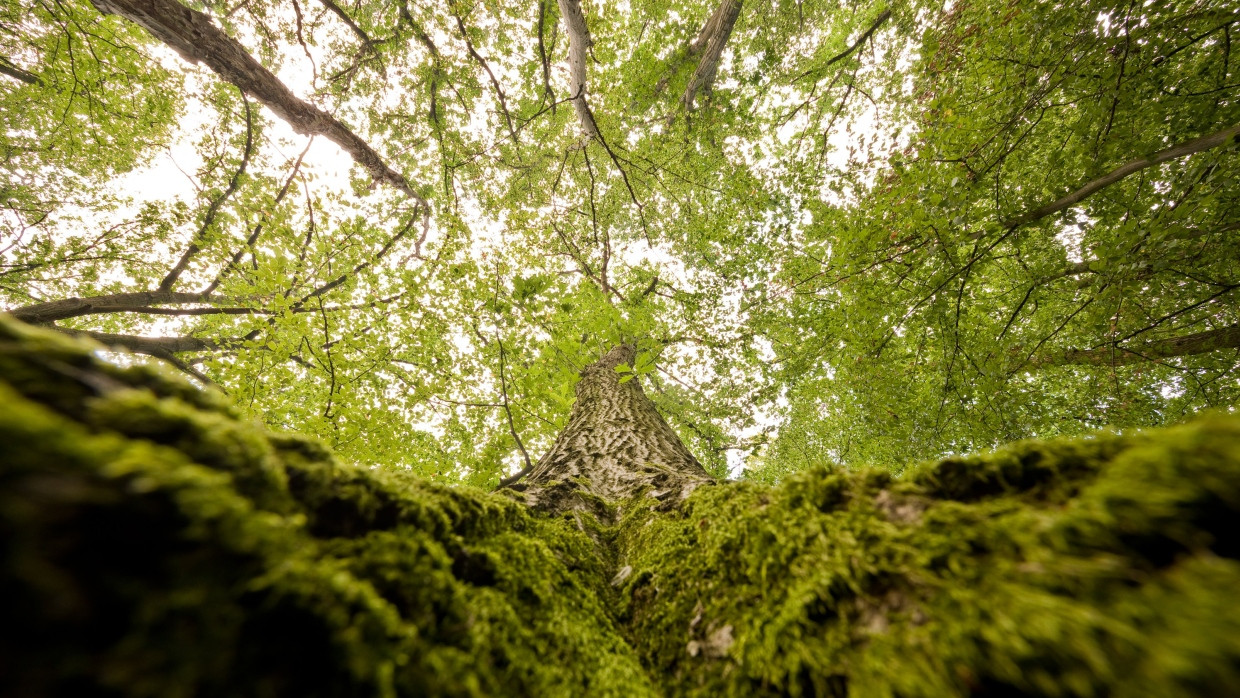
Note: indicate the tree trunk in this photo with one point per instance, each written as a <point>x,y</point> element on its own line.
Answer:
<point>579,44</point>
<point>616,446</point>
<point>153,544</point>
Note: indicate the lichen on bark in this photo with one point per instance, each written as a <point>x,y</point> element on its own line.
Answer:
<point>155,543</point>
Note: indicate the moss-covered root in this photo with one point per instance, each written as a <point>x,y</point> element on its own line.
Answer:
<point>153,544</point>
<point>1098,567</point>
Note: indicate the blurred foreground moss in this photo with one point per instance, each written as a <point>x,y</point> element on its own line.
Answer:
<point>156,544</point>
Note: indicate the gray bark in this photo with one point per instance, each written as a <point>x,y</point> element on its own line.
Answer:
<point>52,311</point>
<point>616,446</point>
<point>1153,350</point>
<point>579,43</point>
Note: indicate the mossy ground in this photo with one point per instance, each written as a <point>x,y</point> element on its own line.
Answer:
<point>154,544</point>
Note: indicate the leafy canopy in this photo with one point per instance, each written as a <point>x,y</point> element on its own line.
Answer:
<point>876,232</point>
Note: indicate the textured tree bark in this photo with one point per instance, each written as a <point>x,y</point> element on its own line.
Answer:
<point>616,445</point>
<point>52,311</point>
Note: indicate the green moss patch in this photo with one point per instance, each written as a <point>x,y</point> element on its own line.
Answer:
<point>155,544</point>
<point>1102,566</point>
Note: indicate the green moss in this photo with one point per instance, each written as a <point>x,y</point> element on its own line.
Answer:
<point>1101,566</point>
<point>154,544</point>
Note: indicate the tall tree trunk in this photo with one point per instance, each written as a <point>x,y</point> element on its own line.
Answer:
<point>616,445</point>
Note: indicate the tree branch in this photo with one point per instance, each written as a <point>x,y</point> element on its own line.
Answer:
<point>344,17</point>
<point>878,22</point>
<point>192,34</point>
<point>711,42</point>
<point>482,62</point>
<point>213,209</point>
<point>542,54</point>
<point>1184,149</point>
<point>153,346</point>
<point>52,311</point>
<point>7,68</point>
<point>503,386</point>
<point>1152,350</point>
<point>164,348</point>
<point>258,227</point>
<point>360,266</point>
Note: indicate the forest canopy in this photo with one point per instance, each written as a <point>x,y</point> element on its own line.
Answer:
<point>879,232</point>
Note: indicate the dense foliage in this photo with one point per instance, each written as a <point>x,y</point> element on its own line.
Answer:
<point>831,227</point>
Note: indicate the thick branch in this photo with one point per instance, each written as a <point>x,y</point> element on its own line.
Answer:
<point>711,42</point>
<point>1153,350</point>
<point>1184,149</point>
<point>114,303</point>
<point>153,346</point>
<point>191,34</point>
<point>579,43</point>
